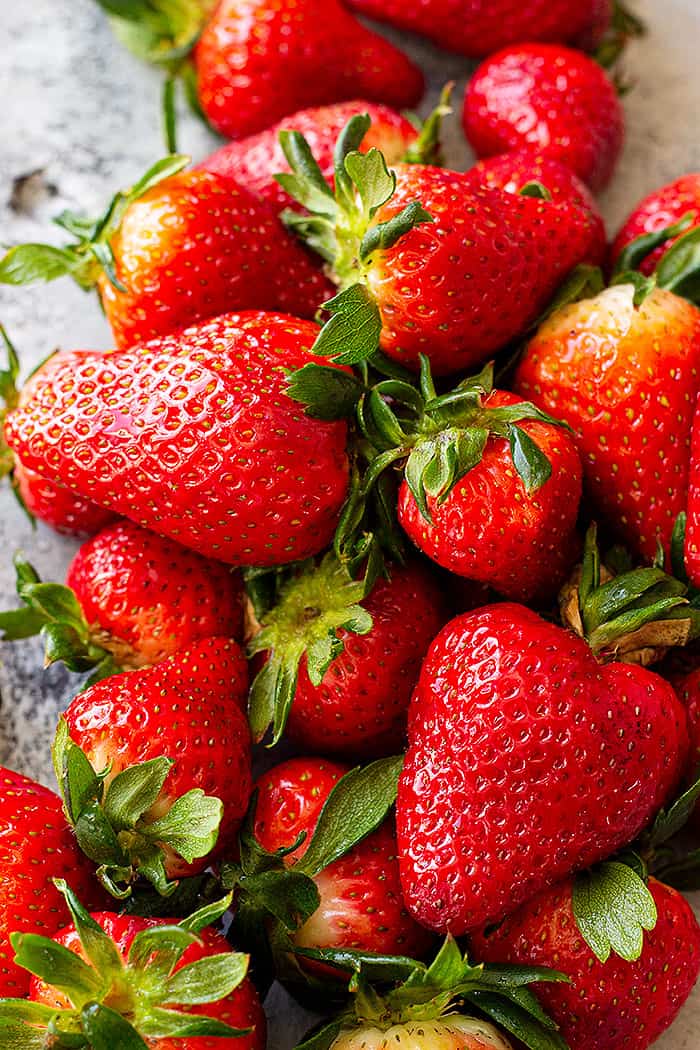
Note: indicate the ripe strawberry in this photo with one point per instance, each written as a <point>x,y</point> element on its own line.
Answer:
<point>592,752</point>
<point>209,450</point>
<point>63,510</point>
<point>610,1004</point>
<point>596,365</point>
<point>178,248</point>
<point>341,663</point>
<point>687,687</point>
<point>257,61</point>
<point>551,99</point>
<point>177,985</point>
<point>661,209</point>
<point>154,765</point>
<point>36,845</point>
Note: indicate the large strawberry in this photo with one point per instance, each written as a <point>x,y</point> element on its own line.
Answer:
<point>612,1003</point>
<point>209,450</point>
<point>342,657</point>
<point>124,981</point>
<point>664,207</point>
<point>426,261</point>
<point>36,845</point>
<point>177,248</point>
<point>528,758</point>
<point>131,598</point>
<point>154,765</point>
<point>551,99</point>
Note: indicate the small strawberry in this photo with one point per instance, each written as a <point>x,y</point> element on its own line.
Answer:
<point>177,248</point>
<point>120,981</point>
<point>36,844</point>
<point>154,765</point>
<point>593,748</point>
<point>664,207</point>
<point>612,1003</point>
<point>547,98</point>
<point>131,599</point>
<point>209,450</point>
<point>342,657</point>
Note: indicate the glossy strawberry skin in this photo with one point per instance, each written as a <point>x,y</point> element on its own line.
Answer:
<point>150,595</point>
<point>198,245</point>
<point>190,709</point>
<point>692,532</point>
<point>527,761</point>
<point>608,1005</point>
<point>549,98</point>
<point>254,161</point>
<point>625,380</point>
<point>463,286</point>
<point>480,27</point>
<point>209,450</point>
<point>240,1009</point>
<point>360,706</point>
<point>687,687</point>
<point>490,530</point>
<point>63,510</point>
<point>662,208</point>
<point>283,49</point>
<point>36,846</point>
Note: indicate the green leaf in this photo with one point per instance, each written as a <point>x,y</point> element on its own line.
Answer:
<point>385,234</point>
<point>427,148</point>
<point>169,114</point>
<point>18,1035</point>
<point>584,282</point>
<point>353,330</point>
<point>96,836</point>
<point>356,806</point>
<point>613,907</point>
<point>133,791</point>
<point>191,825</point>
<point>643,286</point>
<point>106,1029</point>
<point>156,952</point>
<point>57,603</point>
<point>518,1022</point>
<point>536,190</point>
<point>385,969</point>
<point>164,168</point>
<point>679,269</point>
<point>673,819</point>
<point>27,263</point>
<point>321,1038</point>
<point>530,462</point>
<point>206,980</point>
<point>305,183</point>
<point>16,624</point>
<point>375,183</point>
<point>169,1024</point>
<point>637,250</point>
<point>289,895</point>
<point>79,783</point>
<point>327,392</point>
<point>99,948</point>
<point>62,643</point>
<point>57,966</point>
<point>207,914</point>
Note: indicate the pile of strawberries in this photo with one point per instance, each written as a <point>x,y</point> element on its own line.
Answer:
<point>397,465</point>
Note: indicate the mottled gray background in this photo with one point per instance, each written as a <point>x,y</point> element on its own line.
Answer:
<point>83,114</point>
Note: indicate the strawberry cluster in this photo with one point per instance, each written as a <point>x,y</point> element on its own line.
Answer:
<point>399,466</point>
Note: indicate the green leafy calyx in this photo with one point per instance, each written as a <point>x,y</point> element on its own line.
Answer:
<point>159,31</point>
<point>613,908</point>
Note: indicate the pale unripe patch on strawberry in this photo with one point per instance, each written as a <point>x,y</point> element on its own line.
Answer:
<point>447,1033</point>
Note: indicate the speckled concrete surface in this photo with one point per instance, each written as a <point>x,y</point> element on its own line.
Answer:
<point>82,113</point>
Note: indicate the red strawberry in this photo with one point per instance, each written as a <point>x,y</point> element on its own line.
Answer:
<point>177,731</point>
<point>209,450</point>
<point>591,751</point>
<point>58,507</point>
<point>351,698</point>
<point>258,60</point>
<point>662,208</point>
<point>36,845</point>
<point>479,27</point>
<point>551,99</point>
<point>179,249</point>
<point>687,687</point>
<point>612,1004</point>
<point>625,378</point>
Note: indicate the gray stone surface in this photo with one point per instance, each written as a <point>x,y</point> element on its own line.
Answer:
<point>83,114</point>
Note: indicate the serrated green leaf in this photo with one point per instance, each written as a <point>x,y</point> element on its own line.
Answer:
<point>326,392</point>
<point>352,333</point>
<point>191,825</point>
<point>207,980</point>
<point>106,1029</point>
<point>613,907</point>
<point>133,791</point>
<point>27,263</point>
<point>56,965</point>
<point>373,180</point>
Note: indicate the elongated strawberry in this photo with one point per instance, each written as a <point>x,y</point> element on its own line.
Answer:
<point>662,208</point>
<point>547,98</point>
<point>154,765</point>
<point>209,450</point>
<point>123,981</point>
<point>131,599</point>
<point>177,248</point>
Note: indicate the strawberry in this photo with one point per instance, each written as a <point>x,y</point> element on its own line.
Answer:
<point>596,365</point>
<point>611,1004</point>
<point>177,248</point>
<point>36,844</point>
<point>116,978</point>
<point>687,687</point>
<point>426,262</point>
<point>342,657</point>
<point>663,208</point>
<point>154,765</point>
<point>131,599</point>
<point>551,99</point>
<point>209,450</point>
<point>594,749</point>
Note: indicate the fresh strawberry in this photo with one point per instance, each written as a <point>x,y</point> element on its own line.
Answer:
<point>687,687</point>
<point>63,510</point>
<point>114,978</point>
<point>663,208</point>
<point>593,750</point>
<point>341,663</point>
<point>177,248</point>
<point>598,366</point>
<point>209,449</point>
<point>154,765</point>
<point>550,99</point>
<point>427,262</point>
<point>36,845</point>
<point>611,1004</point>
